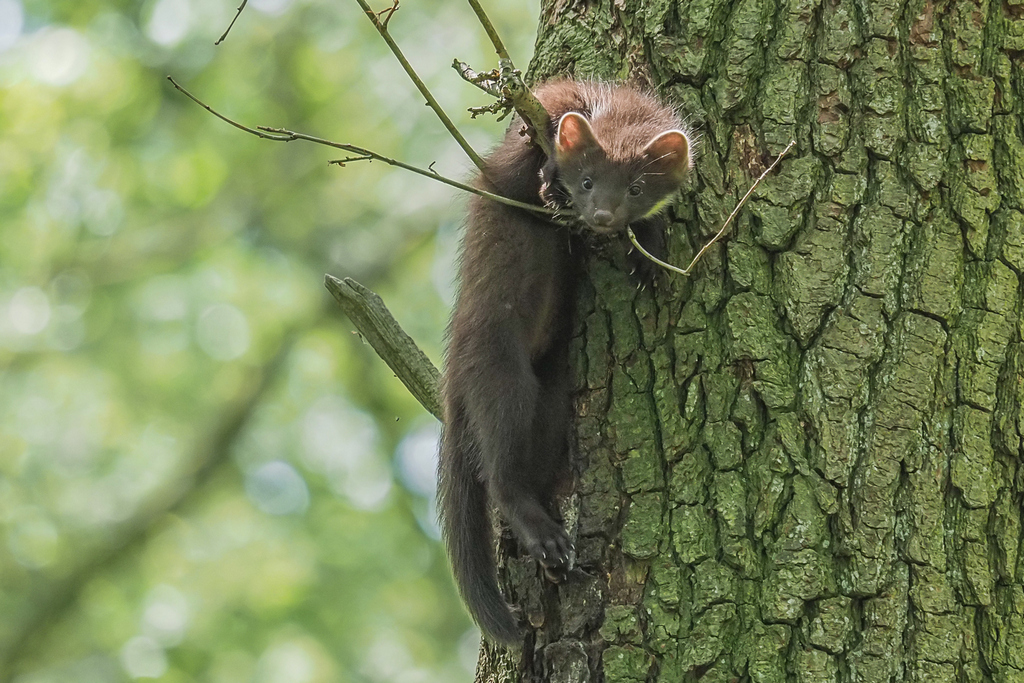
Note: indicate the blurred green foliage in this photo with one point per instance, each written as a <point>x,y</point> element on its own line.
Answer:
<point>204,474</point>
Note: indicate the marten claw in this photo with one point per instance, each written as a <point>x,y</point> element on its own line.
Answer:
<point>553,551</point>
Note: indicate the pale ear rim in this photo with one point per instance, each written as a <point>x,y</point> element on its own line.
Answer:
<point>586,134</point>
<point>683,147</point>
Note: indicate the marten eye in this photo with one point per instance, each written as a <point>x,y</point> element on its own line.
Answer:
<point>588,184</point>
<point>635,190</point>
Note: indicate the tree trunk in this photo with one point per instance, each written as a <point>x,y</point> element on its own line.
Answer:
<point>801,463</point>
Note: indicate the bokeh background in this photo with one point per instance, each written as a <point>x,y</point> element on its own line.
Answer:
<point>204,473</point>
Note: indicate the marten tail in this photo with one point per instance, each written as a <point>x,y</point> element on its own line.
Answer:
<point>467,533</point>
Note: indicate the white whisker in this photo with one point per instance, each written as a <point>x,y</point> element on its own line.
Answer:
<point>641,169</point>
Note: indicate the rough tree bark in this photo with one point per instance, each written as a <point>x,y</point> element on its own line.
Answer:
<point>803,462</point>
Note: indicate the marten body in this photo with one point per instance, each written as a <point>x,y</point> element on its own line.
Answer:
<point>620,155</point>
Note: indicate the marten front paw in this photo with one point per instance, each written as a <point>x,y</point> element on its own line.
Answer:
<point>643,270</point>
<point>651,235</point>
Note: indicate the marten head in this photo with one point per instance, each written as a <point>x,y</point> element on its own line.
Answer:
<point>610,191</point>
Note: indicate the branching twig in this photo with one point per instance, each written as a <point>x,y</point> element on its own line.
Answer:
<point>371,317</point>
<point>228,29</point>
<point>390,12</point>
<point>513,89</point>
<point>486,81</point>
<point>502,108</point>
<point>431,102</point>
<point>669,266</point>
<point>529,108</point>
<point>361,154</point>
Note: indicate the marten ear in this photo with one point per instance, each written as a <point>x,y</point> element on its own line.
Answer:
<point>671,151</point>
<point>574,136</point>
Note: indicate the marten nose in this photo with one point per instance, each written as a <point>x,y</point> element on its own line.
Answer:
<point>603,218</point>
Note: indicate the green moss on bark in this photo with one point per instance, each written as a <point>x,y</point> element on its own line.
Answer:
<point>802,463</point>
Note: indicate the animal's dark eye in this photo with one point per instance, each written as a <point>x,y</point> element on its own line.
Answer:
<point>635,190</point>
<point>588,184</point>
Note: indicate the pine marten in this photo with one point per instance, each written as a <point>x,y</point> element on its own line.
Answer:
<point>619,157</point>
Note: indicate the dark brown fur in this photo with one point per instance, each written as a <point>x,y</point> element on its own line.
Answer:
<point>506,383</point>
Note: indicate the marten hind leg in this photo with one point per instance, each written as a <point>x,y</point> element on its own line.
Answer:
<point>549,446</point>
<point>522,486</point>
<point>502,400</point>
<point>550,464</point>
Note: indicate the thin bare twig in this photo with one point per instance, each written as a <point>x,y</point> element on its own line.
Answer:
<point>492,33</point>
<point>669,266</point>
<point>431,102</point>
<point>348,160</point>
<point>361,154</point>
<point>228,29</point>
